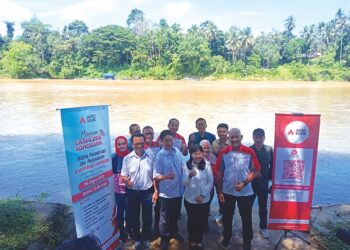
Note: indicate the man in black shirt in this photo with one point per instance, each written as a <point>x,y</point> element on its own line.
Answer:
<point>261,185</point>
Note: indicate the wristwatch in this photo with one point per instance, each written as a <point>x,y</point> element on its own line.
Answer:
<point>245,182</point>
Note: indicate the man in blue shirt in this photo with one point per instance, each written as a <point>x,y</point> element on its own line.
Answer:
<point>202,134</point>
<point>169,173</point>
<point>137,173</point>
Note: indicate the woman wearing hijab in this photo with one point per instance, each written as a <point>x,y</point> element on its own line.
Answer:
<point>121,150</point>
<point>198,183</point>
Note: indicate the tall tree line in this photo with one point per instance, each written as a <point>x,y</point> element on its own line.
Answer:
<point>166,51</point>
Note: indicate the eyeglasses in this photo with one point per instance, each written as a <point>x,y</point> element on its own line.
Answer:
<point>149,133</point>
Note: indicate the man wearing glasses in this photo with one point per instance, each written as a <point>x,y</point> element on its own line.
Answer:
<point>137,173</point>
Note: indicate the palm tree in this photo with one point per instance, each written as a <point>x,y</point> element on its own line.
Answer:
<point>340,20</point>
<point>289,25</point>
<point>210,31</point>
<point>232,42</point>
<point>247,40</point>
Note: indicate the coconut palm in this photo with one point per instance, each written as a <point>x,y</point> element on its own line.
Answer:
<point>340,20</point>
<point>247,41</point>
<point>289,25</point>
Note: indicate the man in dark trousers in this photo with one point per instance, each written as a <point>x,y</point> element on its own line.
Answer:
<point>261,184</point>
<point>169,174</point>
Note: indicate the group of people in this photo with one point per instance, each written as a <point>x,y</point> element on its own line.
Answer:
<point>151,174</point>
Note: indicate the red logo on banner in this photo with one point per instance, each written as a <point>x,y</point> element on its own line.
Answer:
<point>82,120</point>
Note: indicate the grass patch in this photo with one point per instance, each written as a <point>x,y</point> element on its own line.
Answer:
<point>330,240</point>
<point>22,226</point>
<point>19,225</point>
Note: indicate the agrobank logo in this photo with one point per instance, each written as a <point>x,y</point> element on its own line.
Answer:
<point>296,132</point>
<point>89,118</point>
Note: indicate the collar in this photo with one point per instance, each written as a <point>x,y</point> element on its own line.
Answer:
<point>133,154</point>
<point>262,149</point>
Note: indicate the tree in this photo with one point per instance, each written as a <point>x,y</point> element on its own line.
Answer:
<point>136,22</point>
<point>246,41</point>
<point>10,29</point>
<point>194,55</point>
<point>267,50</point>
<point>340,21</point>
<point>36,34</point>
<point>289,26</point>
<point>75,29</point>
<point>108,47</point>
<point>232,42</point>
<point>19,61</point>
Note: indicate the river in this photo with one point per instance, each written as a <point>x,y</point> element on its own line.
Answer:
<point>31,142</point>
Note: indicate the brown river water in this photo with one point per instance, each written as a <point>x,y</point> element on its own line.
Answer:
<point>31,143</point>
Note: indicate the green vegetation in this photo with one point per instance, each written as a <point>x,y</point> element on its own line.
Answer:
<point>163,51</point>
<point>329,240</point>
<point>22,226</point>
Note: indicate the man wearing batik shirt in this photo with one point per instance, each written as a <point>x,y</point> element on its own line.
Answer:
<point>264,154</point>
<point>223,141</point>
<point>236,167</point>
<point>202,134</point>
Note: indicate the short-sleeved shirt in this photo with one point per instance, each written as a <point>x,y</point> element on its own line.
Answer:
<point>139,169</point>
<point>168,161</point>
<point>155,147</point>
<point>236,166</point>
<point>198,138</point>
<point>218,145</point>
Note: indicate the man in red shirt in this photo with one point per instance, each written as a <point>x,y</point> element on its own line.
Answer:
<point>236,166</point>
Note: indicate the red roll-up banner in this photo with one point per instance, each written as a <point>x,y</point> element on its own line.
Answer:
<point>295,157</point>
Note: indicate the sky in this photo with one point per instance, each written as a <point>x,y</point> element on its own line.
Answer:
<point>261,15</point>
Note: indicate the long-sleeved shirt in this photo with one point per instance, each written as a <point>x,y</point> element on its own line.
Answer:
<point>200,184</point>
<point>168,161</point>
<point>139,169</point>
<point>265,158</point>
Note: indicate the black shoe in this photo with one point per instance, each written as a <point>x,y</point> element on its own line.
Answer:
<point>178,237</point>
<point>225,244</point>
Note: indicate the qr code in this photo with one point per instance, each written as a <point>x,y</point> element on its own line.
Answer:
<point>293,169</point>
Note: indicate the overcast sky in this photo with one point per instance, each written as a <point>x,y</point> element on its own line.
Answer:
<point>261,15</point>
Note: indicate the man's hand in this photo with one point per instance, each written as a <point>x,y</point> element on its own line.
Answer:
<point>170,176</point>
<point>155,197</point>
<point>129,183</point>
<point>221,197</point>
<point>239,186</point>
<point>200,199</point>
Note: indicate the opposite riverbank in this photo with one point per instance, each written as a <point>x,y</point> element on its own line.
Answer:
<point>56,223</point>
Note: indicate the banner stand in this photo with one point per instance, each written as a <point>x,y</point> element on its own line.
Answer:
<point>285,235</point>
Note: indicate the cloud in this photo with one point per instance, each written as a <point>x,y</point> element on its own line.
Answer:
<point>11,11</point>
<point>178,9</point>
<point>95,13</point>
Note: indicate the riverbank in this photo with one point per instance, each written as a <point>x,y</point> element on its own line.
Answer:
<point>324,221</point>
